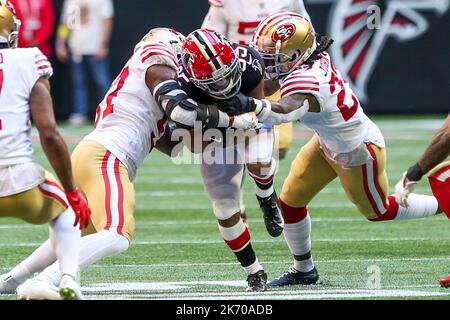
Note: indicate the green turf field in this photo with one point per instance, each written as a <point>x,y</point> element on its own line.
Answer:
<point>178,251</point>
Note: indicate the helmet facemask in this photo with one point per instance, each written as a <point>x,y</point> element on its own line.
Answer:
<point>279,64</point>
<point>224,84</point>
<point>13,38</point>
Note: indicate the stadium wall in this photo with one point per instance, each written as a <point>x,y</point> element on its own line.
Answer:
<point>404,67</point>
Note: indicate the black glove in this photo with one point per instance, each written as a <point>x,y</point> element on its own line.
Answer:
<point>239,104</point>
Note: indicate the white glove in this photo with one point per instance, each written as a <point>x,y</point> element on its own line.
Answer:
<point>266,115</point>
<point>403,189</point>
<point>244,121</point>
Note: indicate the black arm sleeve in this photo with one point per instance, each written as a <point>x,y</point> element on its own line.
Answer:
<point>170,96</point>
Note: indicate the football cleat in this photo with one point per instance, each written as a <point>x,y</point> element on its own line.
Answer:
<point>445,282</point>
<point>295,277</point>
<point>8,284</point>
<point>271,214</point>
<point>257,282</point>
<point>38,288</point>
<point>69,288</point>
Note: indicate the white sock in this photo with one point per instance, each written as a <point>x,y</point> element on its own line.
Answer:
<point>93,248</point>
<point>65,239</point>
<point>253,268</point>
<point>298,238</point>
<point>41,258</point>
<point>420,206</point>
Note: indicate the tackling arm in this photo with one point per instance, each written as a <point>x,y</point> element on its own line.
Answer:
<point>41,107</point>
<point>289,109</point>
<point>161,80</point>
<point>437,151</point>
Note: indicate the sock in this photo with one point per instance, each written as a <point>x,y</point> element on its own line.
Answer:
<point>238,240</point>
<point>420,206</point>
<point>65,239</point>
<point>264,183</point>
<point>93,248</point>
<point>297,232</point>
<point>41,258</point>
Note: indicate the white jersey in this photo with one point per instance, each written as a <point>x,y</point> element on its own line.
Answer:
<point>19,71</point>
<point>341,123</point>
<point>129,121</point>
<point>238,19</point>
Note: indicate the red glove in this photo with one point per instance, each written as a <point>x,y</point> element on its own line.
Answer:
<point>80,206</point>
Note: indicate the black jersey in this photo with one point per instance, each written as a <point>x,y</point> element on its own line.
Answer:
<point>252,69</point>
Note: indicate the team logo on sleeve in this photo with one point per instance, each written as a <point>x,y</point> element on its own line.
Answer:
<point>357,48</point>
<point>284,32</point>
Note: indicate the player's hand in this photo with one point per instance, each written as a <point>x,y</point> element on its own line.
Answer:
<point>80,206</point>
<point>244,122</point>
<point>266,115</point>
<point>403,189</point>
<point>236,105</point>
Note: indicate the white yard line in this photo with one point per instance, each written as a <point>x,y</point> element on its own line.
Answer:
<point>145,290</point>
<point>208,241</point>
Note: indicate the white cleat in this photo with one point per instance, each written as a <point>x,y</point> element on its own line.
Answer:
<point>8,284</point>
<point>69,289</point>
<point>38,289</point>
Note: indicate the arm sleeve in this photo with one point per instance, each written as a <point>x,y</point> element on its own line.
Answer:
<point>216,20</point>
<point>181,109</point>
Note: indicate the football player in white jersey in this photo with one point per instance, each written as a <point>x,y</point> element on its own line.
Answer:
<point>237,20</point>
<point>130,123</point>
<point>27,191</point>
<point>347,143</point>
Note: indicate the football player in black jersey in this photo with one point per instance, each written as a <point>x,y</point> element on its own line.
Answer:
<point>214,71</point>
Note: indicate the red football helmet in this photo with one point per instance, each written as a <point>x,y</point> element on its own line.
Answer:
<point>212,63</point>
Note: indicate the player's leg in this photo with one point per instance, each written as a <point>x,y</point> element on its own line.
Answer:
<point>110,194</point>
<point>47,202</point>
<point>439,179</point>
<point>262,168</point>
<point>309,174</point>
<point>222,183</point>
<point>367,187</point>
<point>283,139</point>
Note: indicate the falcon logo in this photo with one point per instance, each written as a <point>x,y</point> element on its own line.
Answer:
<point>357,48</point>
<point>284,32</point>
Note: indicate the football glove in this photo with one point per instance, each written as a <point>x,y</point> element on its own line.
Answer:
<point>244,122</point>
<point>80,206</point>
<point>266,115</point>
<point>407,185</point>
<point>236,105</point>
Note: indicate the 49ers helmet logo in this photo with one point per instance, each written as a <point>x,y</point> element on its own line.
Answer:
<point>284,32</point>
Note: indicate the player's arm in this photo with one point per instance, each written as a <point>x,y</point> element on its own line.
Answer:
<point>437,151</point>
<point>55,148</point>
<point>288,109</point>
<point>161,80</point>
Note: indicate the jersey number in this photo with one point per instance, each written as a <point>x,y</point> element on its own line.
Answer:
<point>346,111</point>
<point>247,27</point>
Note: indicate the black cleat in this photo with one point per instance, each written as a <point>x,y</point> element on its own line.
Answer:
<point>272,214</point>
<point>257,282</point>
<point>294,277</point>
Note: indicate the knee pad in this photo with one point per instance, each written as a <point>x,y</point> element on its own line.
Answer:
<point>225,208</point>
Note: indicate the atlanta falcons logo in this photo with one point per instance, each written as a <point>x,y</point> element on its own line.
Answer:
<point>357,48</point>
